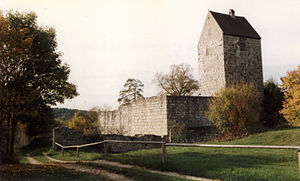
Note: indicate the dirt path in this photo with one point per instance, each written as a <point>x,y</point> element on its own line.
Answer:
<point>32,160</point>
<point>121,165</point>
<point>98,171</point>
<point>81,168</point>
<point>117,164</point>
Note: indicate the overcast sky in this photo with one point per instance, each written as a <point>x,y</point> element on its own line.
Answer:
<point>105,42</point>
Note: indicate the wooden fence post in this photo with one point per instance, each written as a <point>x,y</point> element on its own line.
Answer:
<point>105,147</point>
<point>163,152</point>
<point>62,151</point>
<point>77,151</point>
<point>53,139</point>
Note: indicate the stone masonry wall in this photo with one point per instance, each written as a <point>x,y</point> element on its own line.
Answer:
<point>211,58</point>
<point>68,136</point>
<point>243,60</point>
<point>142,117</point>
<point>225,59</point>
<point>150,116</point>
<point>188,109</point>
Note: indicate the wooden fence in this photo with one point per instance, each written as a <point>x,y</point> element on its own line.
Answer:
<point>105,142</point>
<point>164,145</point>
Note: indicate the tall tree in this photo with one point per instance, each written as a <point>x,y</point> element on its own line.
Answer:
<point>291,104</point>
<point>272,104</point>
<point>32,75</point>
<point>179,82</point>
<point>133,90</point>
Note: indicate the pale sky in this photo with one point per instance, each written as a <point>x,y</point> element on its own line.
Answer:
<point>105,42</point>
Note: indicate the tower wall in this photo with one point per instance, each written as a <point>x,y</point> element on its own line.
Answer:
<point>211,58</point>
<point>243,62</point>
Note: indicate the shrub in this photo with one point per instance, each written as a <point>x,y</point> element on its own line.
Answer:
<point>235,110</point>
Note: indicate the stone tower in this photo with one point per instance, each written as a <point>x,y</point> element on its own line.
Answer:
<point>229,51</point>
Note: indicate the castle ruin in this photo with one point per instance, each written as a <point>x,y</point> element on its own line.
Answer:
<point>229,51</point>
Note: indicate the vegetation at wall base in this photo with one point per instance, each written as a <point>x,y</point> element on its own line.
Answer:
<point>235,110</point>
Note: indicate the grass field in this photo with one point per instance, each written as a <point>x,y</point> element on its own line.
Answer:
<point>218,163</point>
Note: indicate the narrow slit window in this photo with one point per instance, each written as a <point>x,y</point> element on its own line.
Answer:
<point>242,43</point>
<point>207,52</point>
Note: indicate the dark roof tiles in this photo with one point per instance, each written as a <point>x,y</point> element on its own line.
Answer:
<point>235,25</point>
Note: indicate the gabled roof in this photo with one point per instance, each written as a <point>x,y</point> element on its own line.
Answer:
<point>235,25</point>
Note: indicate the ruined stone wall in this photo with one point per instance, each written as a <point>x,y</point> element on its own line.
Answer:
<point>151,116</point>
<point>69,136</point>
<point>243,60</point>
<point>211,58</point>
<point>142,117</point>
<point>188,109</point>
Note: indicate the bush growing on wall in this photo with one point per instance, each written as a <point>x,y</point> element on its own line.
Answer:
<point>235,110</point>
<point>175,130</point>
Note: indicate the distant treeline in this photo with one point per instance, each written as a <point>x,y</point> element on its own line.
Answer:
<point>64,114</point>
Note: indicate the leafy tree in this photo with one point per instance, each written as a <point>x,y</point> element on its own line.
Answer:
<point>179,82</point>
<point>94,112</point>
<point>82,122</point>
<point>235,110</point>
<point>32,76</point>
<point>272,104</point>
<point>291,105</point>
<point>79,122</point>
<point>133,90</point>
<point>42,121</point>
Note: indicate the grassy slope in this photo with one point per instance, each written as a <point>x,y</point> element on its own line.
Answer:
<point>289,136</point>
<point>225,164</point>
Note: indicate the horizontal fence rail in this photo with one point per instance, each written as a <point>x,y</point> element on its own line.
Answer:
<point>142,142</point>
<point>164,145</point>
<point>105,142</point>
<point>233,146</point>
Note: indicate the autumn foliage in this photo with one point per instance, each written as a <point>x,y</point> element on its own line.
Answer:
<point>235,110</point>
<point>32,76</point>
<point>291,104</point>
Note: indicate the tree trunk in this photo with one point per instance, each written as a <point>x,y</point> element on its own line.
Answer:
<point>12,137</point>
<point>1,129</point>
<point>7,134</point>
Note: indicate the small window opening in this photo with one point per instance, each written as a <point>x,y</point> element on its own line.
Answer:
<point>242,43</point>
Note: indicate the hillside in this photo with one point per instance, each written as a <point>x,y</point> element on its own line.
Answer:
<point>64,114</point>
<point>290,136</point>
